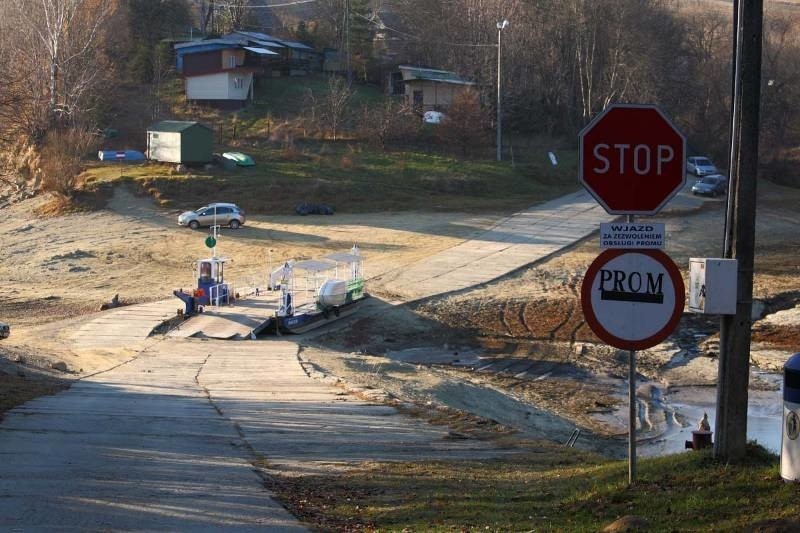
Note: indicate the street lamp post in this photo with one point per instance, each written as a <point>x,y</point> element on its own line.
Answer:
<point>500,27</point>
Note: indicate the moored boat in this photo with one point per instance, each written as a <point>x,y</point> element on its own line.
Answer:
<point>322,299</point>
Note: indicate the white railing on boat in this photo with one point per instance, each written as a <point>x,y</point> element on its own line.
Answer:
<point>214,297</point>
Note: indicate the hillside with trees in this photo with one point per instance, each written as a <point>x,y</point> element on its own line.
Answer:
<point>65,65</point>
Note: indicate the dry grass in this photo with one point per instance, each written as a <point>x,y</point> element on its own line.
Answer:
<point>548,488</point>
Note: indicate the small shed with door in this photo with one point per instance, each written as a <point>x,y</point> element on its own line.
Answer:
<point>428,89</point>
<point>177,141</point>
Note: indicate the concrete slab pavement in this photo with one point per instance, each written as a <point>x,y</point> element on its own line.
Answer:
<point>165,441</point>
<point>123,326</point>
<point>513,243</point>
<point>136,448</point>
<point>299,424</point>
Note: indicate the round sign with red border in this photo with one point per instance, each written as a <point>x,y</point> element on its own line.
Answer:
<point>633,299</point>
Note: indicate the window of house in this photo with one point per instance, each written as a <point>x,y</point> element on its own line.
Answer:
<point>238,83</point>
<point>231,61</point>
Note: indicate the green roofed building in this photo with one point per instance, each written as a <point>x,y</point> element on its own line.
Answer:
<point>428,89</point>
<point>176,141</point>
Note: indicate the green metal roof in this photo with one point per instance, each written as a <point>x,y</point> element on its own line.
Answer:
<point>174,126</point>
<point>430,74</point>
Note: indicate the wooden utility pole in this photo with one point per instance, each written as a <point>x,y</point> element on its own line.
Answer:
<point>348,64</point>
<point>734,355</point>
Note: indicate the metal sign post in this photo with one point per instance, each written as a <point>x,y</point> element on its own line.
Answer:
<point>631,408</point>
<point>631,417</point>
<point>632,300</point>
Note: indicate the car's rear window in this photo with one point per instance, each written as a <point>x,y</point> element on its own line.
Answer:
<point>703,161</point>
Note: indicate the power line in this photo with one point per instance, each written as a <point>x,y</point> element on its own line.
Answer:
<point>382,26</point>
<point>379,25</point>
<point>267,6</point>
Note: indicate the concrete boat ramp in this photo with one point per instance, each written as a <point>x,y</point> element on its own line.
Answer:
<point>242,320</point>
<point>179,437</point>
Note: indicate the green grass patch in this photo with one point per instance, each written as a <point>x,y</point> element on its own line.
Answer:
<point>285,96</point>
<point>550,490</point>
<point>351,178</point>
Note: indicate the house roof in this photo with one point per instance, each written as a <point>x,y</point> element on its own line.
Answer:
<point>269,44</point>
<point>260,51</point>
<point>296,45</point>
<point>233,43</point>
<point>256,35</point>
<point>267,40</point>
<point>175,126</point>
<point>437,80</point>
<point>251,37</point>
<point>430,74</point>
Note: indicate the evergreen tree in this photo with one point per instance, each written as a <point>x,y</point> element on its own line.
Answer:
<point>150,21</point>
<point>362,30</point>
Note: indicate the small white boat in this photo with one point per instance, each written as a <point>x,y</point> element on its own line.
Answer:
<point>331,297</point>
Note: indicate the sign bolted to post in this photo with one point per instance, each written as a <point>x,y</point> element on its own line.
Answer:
<point>633,299</point>
<point>632,159</point>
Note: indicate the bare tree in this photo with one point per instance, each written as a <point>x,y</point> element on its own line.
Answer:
<point>234,15</point>
<point>336,104</point>
<point>781,74</point>
<point>62,36</point>
<point>56,74</point>
<point>391,122</point>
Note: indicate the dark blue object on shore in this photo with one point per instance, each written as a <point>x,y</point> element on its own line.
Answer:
<point>120,155</point>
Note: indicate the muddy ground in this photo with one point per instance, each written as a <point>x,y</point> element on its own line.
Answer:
<point>516,350</point>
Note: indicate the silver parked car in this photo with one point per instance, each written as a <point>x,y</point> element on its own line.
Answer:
<point>700,166</point>
<point>218,213</point>
<point>712,185</point>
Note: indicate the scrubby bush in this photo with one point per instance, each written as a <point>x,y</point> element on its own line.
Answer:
<point>465,124</point>
<point>390,123</point>
<point>61,157</point>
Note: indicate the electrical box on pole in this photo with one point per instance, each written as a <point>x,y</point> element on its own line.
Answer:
<point>712,285</point>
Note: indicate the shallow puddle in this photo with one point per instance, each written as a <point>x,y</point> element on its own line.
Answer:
<point>764,416</point>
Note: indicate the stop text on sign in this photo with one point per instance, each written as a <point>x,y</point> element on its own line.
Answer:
<point>632,159</point>
<point>641,159</point>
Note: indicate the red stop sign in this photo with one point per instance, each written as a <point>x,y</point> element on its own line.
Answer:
<point>632,159</point>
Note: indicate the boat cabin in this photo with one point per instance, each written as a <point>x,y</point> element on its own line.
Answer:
<point>211,286</point>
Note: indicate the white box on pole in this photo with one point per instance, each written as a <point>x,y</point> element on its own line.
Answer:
<point>712,285</point>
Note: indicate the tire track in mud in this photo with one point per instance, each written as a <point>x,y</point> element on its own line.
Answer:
<point>522,312</point>
<point>503,319</point>
<point>570,314</point>
<point>573,335</point>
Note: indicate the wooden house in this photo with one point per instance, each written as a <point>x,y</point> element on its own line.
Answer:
<point>428,89</point>
<point>219,70</point>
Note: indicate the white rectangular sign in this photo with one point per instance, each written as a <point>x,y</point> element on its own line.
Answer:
<point>632,235</point>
